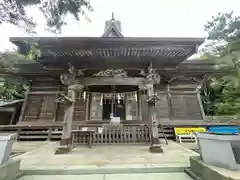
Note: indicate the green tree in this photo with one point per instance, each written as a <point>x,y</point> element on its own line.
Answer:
<point>54,11</point>
<point>10,87</point>
<point>224,35</point>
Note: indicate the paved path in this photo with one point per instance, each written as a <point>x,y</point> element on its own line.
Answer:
<point>25,146</point>
<point>107,156</point>
<point>106,162</point>
<point>150,176</point>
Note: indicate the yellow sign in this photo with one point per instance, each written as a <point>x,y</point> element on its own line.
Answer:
<point>189,130</point>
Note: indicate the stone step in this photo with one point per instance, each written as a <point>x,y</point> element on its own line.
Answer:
<point>121,169</point>
<point>134,176</point>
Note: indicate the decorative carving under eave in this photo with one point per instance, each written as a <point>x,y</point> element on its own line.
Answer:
<point>76,87</point>
<point>67,79</point>
<point>63,99</point>
<point>151,77</point>
<point>153,99</point>
<point>205,78</point>
<point>112,73</point>
<point>70,78</point>
<point>193,79</point>
<point>73,71</point>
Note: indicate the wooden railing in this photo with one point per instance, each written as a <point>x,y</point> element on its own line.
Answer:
<point>126,133</point>
<point>105,134</point>
<point>28,133</point>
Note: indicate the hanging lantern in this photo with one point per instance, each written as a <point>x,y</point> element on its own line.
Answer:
<point>136,98</point>
<point>84,95</point>
<point>119,98</point>
<point>101,100</point>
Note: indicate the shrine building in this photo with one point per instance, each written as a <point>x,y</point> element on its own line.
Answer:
<point>113,74</point>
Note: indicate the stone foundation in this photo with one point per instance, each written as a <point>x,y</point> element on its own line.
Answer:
<point>200,170</point>
<point>10,170</point>
<point>155,146</point>
<point>65,142</point>
<point>63,149</point>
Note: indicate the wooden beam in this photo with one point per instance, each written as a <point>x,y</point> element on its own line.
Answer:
<point>7,109</point>
<point>45,92</point>
<point>184,92</point>
<point>40,86</point>
<point>110,81</point>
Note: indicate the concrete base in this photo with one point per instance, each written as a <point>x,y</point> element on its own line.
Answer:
<point>6,143</point>
<point>63,150</point>
<point>155,146</point>
<point>155,149</point>
<point>65,142</point>
<point>10,170</point>
<point>200,170</point>
<point>226,146</point>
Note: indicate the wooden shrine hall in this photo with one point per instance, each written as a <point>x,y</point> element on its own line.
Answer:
<point>138,82</point>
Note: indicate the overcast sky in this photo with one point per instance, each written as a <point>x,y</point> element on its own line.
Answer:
<point>148,18</point>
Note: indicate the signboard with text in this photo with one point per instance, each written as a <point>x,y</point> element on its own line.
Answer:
<point>188,130</point>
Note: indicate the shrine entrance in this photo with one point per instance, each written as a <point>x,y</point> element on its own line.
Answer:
<point>117,107</point>
<point>107,102</point>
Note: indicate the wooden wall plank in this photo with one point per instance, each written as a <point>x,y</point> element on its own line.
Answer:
<point>131,107</point>
<point>79,109</point>
<point>96,108</point>
<point>41,104</point>
<point>185,107</point>
<point>144,106</point>
<point>162,109</point>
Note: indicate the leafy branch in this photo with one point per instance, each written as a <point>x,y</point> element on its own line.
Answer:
<point>54,11</point>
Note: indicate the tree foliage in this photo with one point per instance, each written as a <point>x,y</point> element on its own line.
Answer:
<point>10,87</point>
<point>54,11</point>
<point>221,96</point>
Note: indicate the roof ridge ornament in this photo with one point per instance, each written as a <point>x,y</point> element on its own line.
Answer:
<point>113,19</point>
<point>112,28</point>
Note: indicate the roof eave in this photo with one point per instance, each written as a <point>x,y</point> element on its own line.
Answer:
<point>23,40</point>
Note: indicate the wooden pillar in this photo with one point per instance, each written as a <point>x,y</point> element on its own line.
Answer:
<point>153,127</point>
<point>169,101</point>
<point>126,107</point>
<point>24,107</point>
<point>57,105</point>
<point>66,140</point>
<point>201,105</point>
<point>144,107</point>
<point>13,116</point>
<point>139,107</point>
<point>67,121</point>
<point>87,107</point>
